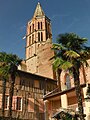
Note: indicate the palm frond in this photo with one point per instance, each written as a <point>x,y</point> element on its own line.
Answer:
<point>66,65</point>
<point>71,54</point>
<point>57,47</point>
<point>61,64</point>
<point>57,62</point>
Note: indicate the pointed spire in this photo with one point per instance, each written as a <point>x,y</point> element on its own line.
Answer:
<point>39,11</point>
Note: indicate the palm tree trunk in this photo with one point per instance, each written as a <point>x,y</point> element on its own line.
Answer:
<point>3,96</point>
<point>11,92</point>
<point>58,72</point>
<point>84,74</point>
<point>78,93</point>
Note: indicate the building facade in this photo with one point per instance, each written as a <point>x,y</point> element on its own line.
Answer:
<point>29,90</point>
<point>56,101</point>
<point>35,75</point>
<point>35,80</point>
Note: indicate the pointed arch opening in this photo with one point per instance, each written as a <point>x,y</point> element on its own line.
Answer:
<point>32,38</point>
<point>30,29</point>
<point>39,36</point>
<point>41,25</point>
<point>67,81</point>
<point>38,25</point>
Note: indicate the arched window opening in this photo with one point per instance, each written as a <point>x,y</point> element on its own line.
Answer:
<point>46,26</point>
<point>32,38</point>
<point>41,25</point>
<point>68,81</point>
<point>39,36</point>
<point>30,29</point>
<point>38,25</point>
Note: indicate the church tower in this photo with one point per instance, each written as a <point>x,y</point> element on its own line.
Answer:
<point>39,43</point>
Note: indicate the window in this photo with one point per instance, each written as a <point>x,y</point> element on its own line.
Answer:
<point>68,82</point>
<point>30,29</point>
<point>30,40</point>
<point>41,36</point>
<point>19,103</point>
<point>6,102</point>
<point>33,38</point>
<point>41,25</point>
<point>46,26</point>
<point>38,25</point>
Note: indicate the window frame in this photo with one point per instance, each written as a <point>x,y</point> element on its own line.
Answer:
<point>19,104</point>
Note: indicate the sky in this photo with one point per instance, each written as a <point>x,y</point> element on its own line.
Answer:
<point>66,16</point>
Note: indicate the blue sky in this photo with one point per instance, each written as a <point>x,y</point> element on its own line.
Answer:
<point>65,15</point>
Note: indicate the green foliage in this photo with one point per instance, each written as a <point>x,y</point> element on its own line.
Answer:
<point>8,66</point>
<point>71,41</point>
<point>70,54</point>
<point>70,51</point>
<point>9,58</point>
<point>6,63</point>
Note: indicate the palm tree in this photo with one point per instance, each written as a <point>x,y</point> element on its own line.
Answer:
<point>4,77</point>
<point>8,67</point>
<point>71,48</point>
<point>59,64</point>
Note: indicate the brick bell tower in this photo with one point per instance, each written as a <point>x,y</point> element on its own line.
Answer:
<point>39,43</point>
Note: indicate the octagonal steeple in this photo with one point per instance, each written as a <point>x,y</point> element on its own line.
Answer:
<point>39,35</point>
<point>38,11</point>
